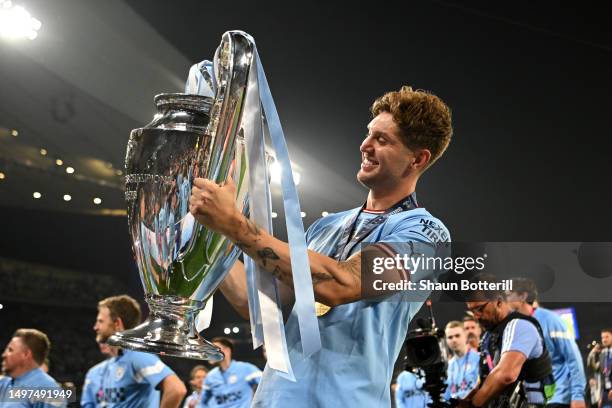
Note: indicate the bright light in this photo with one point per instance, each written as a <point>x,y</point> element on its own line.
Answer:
<point>118,172</point>
<point>36,194</point>
<point>43,152</point>
<point>274,215</point>
<point>59,162</point>
<point>324,214</point>
<point>69,170</point>
<point>227,330</point>
<point>303,214</point>
<point>16,22</point>
<point>235,329</point>
<point>2,176</point>
<point>275,173</point>
<point>97,201</point>
<point>14,132</point>
<point>67,197</point>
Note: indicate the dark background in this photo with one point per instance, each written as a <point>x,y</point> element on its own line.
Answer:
<point>528,84</point>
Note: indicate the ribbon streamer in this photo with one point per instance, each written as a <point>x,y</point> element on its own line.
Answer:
<point>264,301</point>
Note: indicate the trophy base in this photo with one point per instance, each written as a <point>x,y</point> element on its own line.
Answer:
<point>169,331</point>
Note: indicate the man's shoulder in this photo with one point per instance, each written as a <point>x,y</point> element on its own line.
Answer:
<point>213,374</point>
<point>417,216</point>
<point>134,356</point>
<point>96,368</point>
<point>245,366</point>
<point>547,316</point>
<point>40,379</point>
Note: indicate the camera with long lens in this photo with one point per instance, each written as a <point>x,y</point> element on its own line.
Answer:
<point>426,350</point>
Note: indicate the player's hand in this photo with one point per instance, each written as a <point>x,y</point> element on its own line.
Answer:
<point>214,205</point>
<point>577,404</point>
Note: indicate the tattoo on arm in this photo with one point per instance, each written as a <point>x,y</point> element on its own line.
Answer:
<point>242,245</point>
<point>252,227</point>
<point>267,254</point>
<point>318,277</point>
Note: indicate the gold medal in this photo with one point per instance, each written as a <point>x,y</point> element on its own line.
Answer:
<point>321,309</point>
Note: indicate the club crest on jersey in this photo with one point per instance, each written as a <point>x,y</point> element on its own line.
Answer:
<point>119,373</point>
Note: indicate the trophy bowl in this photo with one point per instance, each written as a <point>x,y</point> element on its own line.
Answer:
<point>180,262</point>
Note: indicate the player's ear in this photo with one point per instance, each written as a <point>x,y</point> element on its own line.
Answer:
<point>119,324</point>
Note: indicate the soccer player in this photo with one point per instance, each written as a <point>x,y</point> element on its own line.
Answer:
<point>361,334</point>
<point>232,383</point>
<point>462,371</point>
<point>128,378</point>
<point>568,371</point>
<point>409,391</point>
<point>21,362</point>
<point>196,379</point>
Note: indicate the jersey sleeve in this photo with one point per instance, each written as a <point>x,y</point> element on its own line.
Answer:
<point>150,369</point>
<point>252,375</point>
<point>399,390</point>
<point>88,396</point>
<point>522,336</point>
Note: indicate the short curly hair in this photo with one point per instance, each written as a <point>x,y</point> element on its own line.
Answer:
<point>424,119</point>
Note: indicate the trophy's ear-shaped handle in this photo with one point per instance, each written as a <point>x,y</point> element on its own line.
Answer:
<point>231,65</point>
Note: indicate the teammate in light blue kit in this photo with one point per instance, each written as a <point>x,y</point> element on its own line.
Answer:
<point>409,391</point>
<point>21,361</point>
<point>232,383</point>
<point>361,335</point>
<point>462,371</point>
<point>128,378</point>
<point>196,380</point>
<point>568,371</point>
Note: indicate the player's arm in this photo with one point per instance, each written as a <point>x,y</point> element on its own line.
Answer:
<point>503,374</point>
<point>173,391</point>
<point>234,288</point>
<point>334,282</point>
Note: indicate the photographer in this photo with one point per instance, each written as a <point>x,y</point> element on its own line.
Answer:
<point>514,362</point>
<point>566,359</point>
<point>600,360</point>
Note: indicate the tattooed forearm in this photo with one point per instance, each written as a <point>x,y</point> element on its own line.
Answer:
<point>242,245</point>
<point>267,254</point>
<point>252,227</point>
<point>351,265</point>
<point>318,277</point>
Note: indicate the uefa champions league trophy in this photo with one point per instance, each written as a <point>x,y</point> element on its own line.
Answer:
<point>181,263</point>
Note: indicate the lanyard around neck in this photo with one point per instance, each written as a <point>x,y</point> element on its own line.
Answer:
<point>348,241</point>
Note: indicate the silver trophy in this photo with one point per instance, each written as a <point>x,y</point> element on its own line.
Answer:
<point>181,262</point>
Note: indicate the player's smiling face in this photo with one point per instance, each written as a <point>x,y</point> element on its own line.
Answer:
<point>104,327</point>
<point>384,157</point>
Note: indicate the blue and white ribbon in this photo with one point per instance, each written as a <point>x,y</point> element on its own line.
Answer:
<point>264,301</point>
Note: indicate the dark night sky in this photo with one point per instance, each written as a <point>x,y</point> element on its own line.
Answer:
<point>528,85</point>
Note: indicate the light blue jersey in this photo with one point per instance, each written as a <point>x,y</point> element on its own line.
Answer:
<point>360,340</point>
<point>32,380</point>
<point>522,336</point>
<point>409,392</point>
<point>128,380</point>
<point>232,388</point>
<point>567,366</point>
<point>462,375</point>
